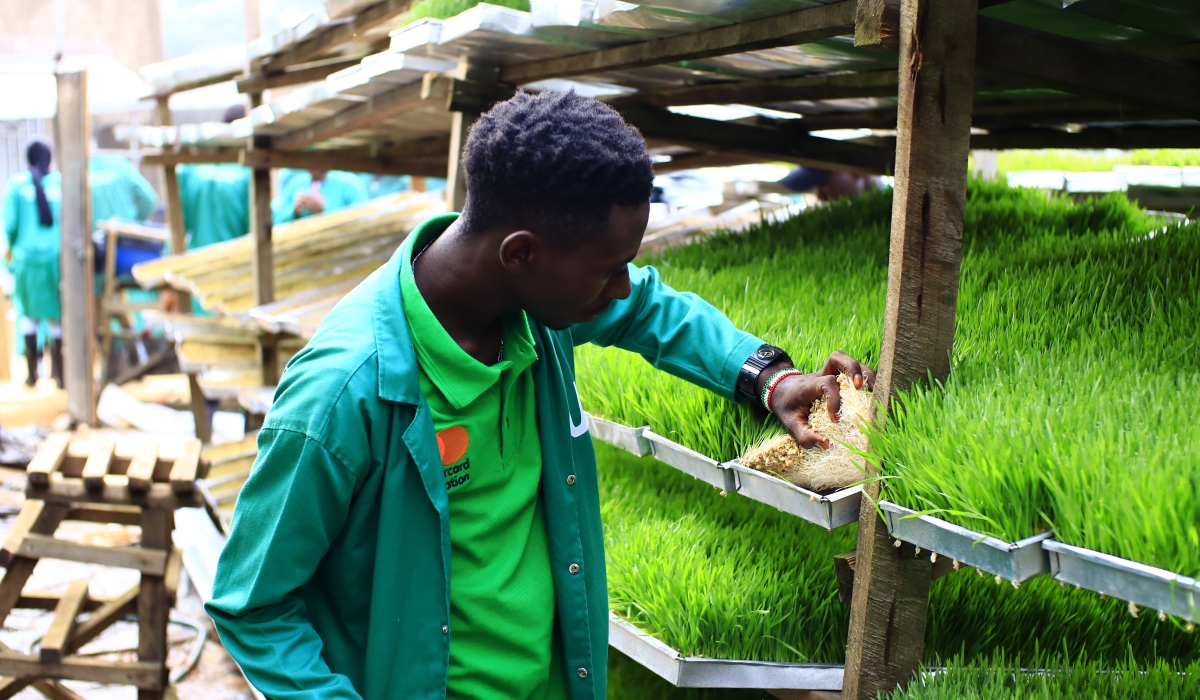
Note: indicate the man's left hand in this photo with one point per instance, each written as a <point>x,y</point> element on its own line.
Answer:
<point>794,396</point>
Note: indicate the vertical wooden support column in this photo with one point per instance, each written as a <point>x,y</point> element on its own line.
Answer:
<point>174,205</point>
<point>73,126</point>
<point>152,608</point>
<point>937,59</point>
<point>263,254</point>
<point>456,185</point>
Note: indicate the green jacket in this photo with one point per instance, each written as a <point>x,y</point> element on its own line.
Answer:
<point>335,580</point>
<point>118,189</point>
<point>35,248</point>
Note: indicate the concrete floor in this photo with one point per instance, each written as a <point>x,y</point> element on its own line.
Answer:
<point>214,677</point>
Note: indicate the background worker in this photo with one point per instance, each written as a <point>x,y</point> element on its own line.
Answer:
<point>308,192</point>
<point>118,190</point>
<point>423,517</point>
<point>31,230</point>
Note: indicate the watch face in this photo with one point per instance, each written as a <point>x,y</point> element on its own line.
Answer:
<point>765,353</point>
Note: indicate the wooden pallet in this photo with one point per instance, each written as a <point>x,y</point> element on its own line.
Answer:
<point>96,480</point>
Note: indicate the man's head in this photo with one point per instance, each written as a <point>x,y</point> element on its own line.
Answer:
<point>563,183</point>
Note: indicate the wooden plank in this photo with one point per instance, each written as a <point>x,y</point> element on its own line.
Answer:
<point>1084,68</point>
<point>139,673</point>
<point>183,473</point>
<point>329,40</point>
<point>936,91</point>
<point>877,24</point>
<point>173,573</point>
<point>799,27</point>
<point>141,468</point>
<point>193,154</point>
<point>769,144</point>
<point>456,183</point>
<point>30,513</point>
<point>49,458</point>
<point>98,463</point>
<point>197,83</point>
<point>152,598</point>
<point>844,565</point>
<point>173,205</point>
<point>53,690</point>
<point>54,642</point>
<point>111,612</point>
<point>384,161</point>
<point>73,138</point>
<point>46,600</point>
<point>199,406</point>
<point>431,93</point>
<point>71,492</point>
<point>261,82</point>
<point>143,558</point>
<point>102,513</point>
<point>807,87</point>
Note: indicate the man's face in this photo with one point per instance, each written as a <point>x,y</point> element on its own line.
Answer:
<point>574,283</point>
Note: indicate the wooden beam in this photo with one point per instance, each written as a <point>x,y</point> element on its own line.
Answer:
<point>456,183</point>
<point>807,87</point>
<point>46,547</point>
<point>991,115</point>
<point>207,80</point>
<point>18,569</point>
<point>98,462</point>
<point>152,607</point>
<point>192,154</point>
<point>1126,138</point>
<point>141,468</point>
<point>48,458</point>
<point>1085,68</point>
<point>327,41</point>
<point>799,27</point>
<point>183,472</point>
<point>261,82</point>
<point>138,673</point>
<point>69,492</point>
<point>54,642</point>
<point>401,161</point>
<point>174,205</point>
<point>74,134</point>
<point>936,89</point>
<point>877,24</point>
<point>768,143</point>
<point>431,93</point>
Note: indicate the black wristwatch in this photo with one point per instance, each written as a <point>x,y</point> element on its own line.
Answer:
<point>747,383</point>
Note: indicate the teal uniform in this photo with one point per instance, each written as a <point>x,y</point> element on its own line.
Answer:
<point>341,190</point>
<point>119,190</point>
<point>335,581</point>
<point>215,199</point>
<point>383,185</point>
<point>35,248</point>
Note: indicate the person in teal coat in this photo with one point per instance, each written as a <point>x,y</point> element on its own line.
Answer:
<point>423,518</point>
<point>118,190</point>
<point>307,192</point>
<point>215,198</point>
<point>31,230</point>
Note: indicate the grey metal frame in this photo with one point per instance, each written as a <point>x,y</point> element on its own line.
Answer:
<point>695,672</point>
<point>1015,561</point>
<point>1128,580</point>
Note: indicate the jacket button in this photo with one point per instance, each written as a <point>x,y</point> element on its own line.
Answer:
<point>574,568</point>
<point>445,629</point>
<point>582,673</point>
<point>570,480</point>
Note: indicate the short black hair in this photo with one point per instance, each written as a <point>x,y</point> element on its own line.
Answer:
<point>553,162</point>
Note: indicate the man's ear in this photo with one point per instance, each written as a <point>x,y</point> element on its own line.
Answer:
<point>517,251</point>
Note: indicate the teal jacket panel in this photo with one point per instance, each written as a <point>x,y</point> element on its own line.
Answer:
<point>35,248</point>
<point>335,580</point>
<point>215,198</point>
<point>118,189</point>
<point>341,190</point>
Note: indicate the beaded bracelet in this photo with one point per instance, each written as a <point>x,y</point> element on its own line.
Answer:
<point>769,388</point>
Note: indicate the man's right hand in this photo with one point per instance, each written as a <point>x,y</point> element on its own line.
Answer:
<point>168,301</point>
<point>307,201</point>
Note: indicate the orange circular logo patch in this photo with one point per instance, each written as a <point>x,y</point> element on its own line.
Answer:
<point>452,444</point>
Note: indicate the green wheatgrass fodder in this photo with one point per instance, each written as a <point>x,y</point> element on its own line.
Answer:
<point>1001,678</point>
<point>1076,364</point>
<point>1085,161</point>
<point>731,578</point>
<point>445,9</point>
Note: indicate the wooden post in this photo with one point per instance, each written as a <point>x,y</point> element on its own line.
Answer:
<point>152,607</point>
<point>6,346</point>
<point>936,84</point>
<point>73,126</point>
<point>263,255</point>
<point>174,206</point>
<point>456,185</point>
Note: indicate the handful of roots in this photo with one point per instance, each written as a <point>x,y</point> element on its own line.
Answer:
<point>816,468</point>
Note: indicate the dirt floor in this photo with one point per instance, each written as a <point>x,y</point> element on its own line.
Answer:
<point>215,676</point>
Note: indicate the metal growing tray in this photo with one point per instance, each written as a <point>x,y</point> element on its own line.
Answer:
<point>1015,561</point>
<point>1144,585</point>
<point>689,461</point>
<point>617,435</point>
<point>695,672</point>
<point>832,511</point>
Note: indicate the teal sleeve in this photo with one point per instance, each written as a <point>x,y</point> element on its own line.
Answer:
<point>283,209</point>
<point>144,196</point>
<point>12,216</point>
<point>677,332</point>
<point>290,510</point>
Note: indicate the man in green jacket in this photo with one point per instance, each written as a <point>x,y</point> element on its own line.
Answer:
<point>423,519</point>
